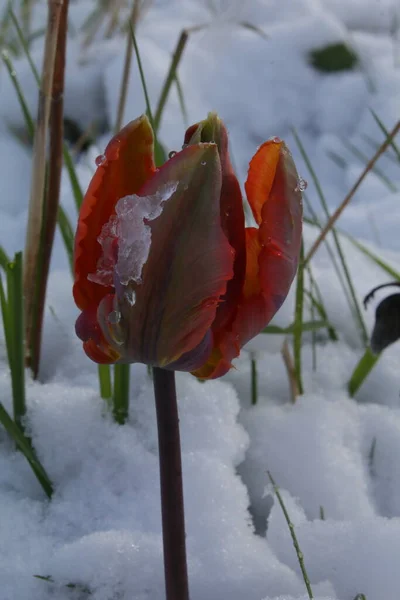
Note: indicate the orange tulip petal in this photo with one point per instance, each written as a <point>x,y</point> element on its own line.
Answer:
<point>272,251</point>
<point>123,169</point>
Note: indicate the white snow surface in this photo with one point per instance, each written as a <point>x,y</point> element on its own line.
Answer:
<point>331,455</point>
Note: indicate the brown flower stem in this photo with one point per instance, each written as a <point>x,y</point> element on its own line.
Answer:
<point>172,508</point>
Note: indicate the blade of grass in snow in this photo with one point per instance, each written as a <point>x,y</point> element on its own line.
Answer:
<point>67,235</point>
<point>23,41</point>
<point>313,333</point>
<point>24,107</point>
<point>386,133</point>
<point>375,145</point>
<point>298,321</point>
<point>316,223</point>
<point>75,185</point>
<point>254,379</point>
<point>6,322</point>
<point>364,159</point>
<point>23,444</point>
<point>356,307</point>
<point>362,370</point>
<point>170,78</point>
<point>16,331</point>
<point>305,326</point>
<point>290,525</point>
<point>319,307</point>
<point>182,102</point>
<point>159,152</point>
<point>335,216</point>
<point>372,256</point>
<point>4,258</point>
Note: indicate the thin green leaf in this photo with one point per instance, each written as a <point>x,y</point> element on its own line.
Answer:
<point>104,373</point>
<point>24,445</point>
<point>16,330</point>
<point>121,393</point>
<point>374,257</point>
<point>67,234</point>
<point>386,132</point>
<point>254,379</point>
<point>296,545</point>
<point>6,323</point>
<point>362,370</point>
<point>290,329</point>
<point>170,78</point>
<point>182,102</point>
<point>364,159</point>
<point>24,107</point>
<point>25,45</point>
<point>298,321</point>
<point>75,185</point>
<point>4,258</point>
<point>356,307</point>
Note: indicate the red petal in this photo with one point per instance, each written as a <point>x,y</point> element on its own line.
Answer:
<point>126,165</point>
<point>188,266</point>
<point>213,129</point>
<point>272,250</point>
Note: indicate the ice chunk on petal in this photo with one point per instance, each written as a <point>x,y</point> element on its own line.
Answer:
<point>129,232</point>
<point>106,263</point>
<point>134,234</point>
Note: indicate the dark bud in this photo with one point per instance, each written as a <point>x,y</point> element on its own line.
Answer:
<point>387,324</point>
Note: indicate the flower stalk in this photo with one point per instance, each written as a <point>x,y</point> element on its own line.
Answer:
<point>172,506</point>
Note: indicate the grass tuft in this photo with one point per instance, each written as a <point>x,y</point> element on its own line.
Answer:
<point>296,545</point>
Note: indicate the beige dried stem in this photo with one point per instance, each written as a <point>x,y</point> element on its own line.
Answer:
<point>36,204</point>
<point>291,371</point>
<point>334,217</point>
<point>52,192</point>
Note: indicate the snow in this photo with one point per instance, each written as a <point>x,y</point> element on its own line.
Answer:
<point>102,529</point>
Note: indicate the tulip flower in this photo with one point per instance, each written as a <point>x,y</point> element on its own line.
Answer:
<point>166,273</point>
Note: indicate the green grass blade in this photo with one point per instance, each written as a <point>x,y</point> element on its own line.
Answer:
<point>25,447</point>
<point>159,152</point>
<point>386,133</point>
<point>356,307</point>
<point>374,257</point>
<point>254,379</point>
<point>67,235</point>
<point>182,102</point>
<point>121,393</point>
<point>16,329</point>
<point>21,99</point>
<point>315,222</point>
<point>364,159</point>
<point>170,78</point>
<point>298,321</point>
<point>75,185</point>
<point>290,329</point>
<point>6,323</point>
<point>104,373</point>
<point>362,370</point>
<point>290,525</point>
<point>24,45</point>
<point>4,258</point>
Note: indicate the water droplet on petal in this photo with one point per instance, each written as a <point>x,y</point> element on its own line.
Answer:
<point>203,162</point>
<point>100,160</point>
<point>276,140</point>
<point>301,185</point>
<point>130,296</point>
<point>172,154</point>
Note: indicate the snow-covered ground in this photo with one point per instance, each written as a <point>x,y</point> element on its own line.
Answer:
<point>101,531</point>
